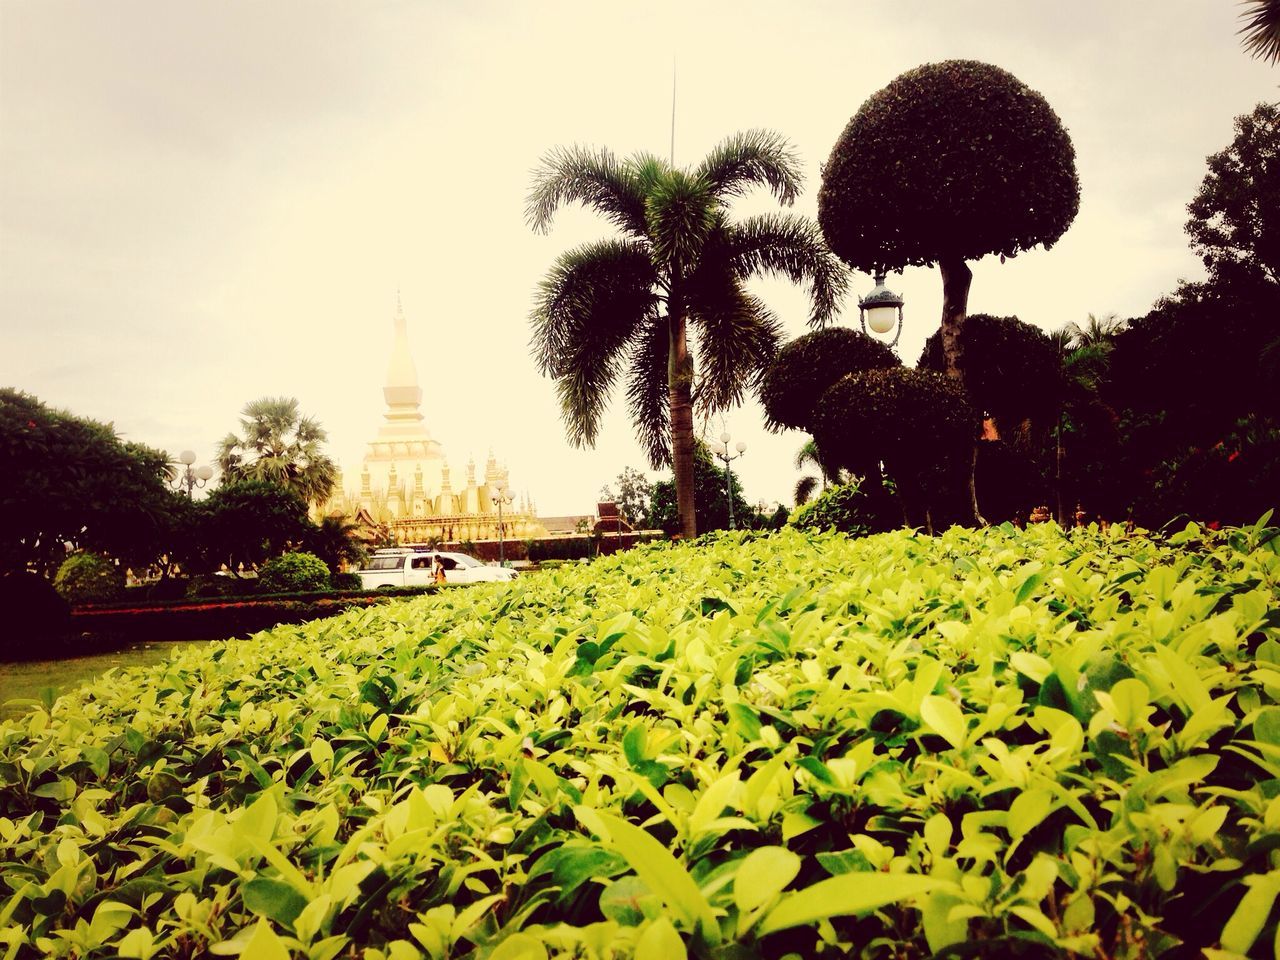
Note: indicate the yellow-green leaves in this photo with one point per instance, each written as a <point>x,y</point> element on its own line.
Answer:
<point>849,893</point>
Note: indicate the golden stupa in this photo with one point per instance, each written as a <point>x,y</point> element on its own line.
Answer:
<point>405,486</point>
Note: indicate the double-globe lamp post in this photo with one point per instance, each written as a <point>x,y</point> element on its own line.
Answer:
<point>191,477</point>
<point>501,497</point>
<point>721,450</point>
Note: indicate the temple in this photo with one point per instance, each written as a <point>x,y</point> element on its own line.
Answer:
<point>405,486</point>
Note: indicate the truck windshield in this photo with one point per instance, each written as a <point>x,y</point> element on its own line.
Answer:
<point>385,563</point>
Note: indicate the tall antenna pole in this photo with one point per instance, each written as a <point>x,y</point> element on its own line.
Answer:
<point>673,111</point>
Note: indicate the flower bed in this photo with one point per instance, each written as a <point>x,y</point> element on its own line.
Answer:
<point>991,743</point>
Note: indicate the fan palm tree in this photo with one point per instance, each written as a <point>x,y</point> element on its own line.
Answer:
<point>632,303</point>
<point>1262,29</point>
<point>281,446</point>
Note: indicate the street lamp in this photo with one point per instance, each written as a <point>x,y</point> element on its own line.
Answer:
<point>501,496</point>
<point>191,477</point>
<point>721,450</point>
<point>881,309</point>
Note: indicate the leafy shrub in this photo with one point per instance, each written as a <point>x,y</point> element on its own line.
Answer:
<point>806,368</point>
<point>561,548</point>
<point>35,615</point>
<point>1046,744</point>
<point>208,586</point>
<point>1011,369</point>
<point>292,572</point>
<point>846,509</point>
<point>345,581</point>
<point>87,577</point>
<point>169,588</point>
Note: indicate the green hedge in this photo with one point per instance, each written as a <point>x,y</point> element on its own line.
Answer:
<point>989,743</point>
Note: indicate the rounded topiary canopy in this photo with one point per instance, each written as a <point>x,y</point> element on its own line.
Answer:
<point>806,367</point>
<point>1011,368</point>
<point>910,419</point>
<point>957,159</point>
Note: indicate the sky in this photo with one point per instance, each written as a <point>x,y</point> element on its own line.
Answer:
<point>203,204</point>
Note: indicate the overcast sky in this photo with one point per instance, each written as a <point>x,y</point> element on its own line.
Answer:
<point>202,204</point>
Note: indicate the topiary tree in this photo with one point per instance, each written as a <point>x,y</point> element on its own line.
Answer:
<point>806,368</point>
<point>1012,369</point>
<point>87,577</point>
<point>293,573</point>
<point>35,616</point>
<point>920,424</point>
<point>948,163</point>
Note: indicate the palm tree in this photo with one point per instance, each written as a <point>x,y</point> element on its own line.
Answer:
<point>808,455</point>
<point>1096,332</point>
<point>630,303</point>
<point>1262,29</point>
<point>281,446</point>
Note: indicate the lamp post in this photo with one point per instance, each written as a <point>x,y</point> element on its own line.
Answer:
<point>191,477</point>
<point>721,450</point>
<point>881,309</point>
<point>501,497</point>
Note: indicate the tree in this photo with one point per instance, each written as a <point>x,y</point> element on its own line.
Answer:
<point>1234,221</point>
<point>279,446</point>
<point>68,480</point>
<point>948,163</point>
<point>632,492</point>
<point>809,455</point>
<point>246,522</point>
<point>335,540</point>
<point>805,369</point>
<point>920,424</point>
<point>1012,372</point>
<point>1262,29</point>
<point>709,493</point>
<point>678,271</point>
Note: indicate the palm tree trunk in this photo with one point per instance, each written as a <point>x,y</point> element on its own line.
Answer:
<point>680,398</point>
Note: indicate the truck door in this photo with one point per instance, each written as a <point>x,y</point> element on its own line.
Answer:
<point>418,571</point>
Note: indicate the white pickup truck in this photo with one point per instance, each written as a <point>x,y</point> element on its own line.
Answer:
<point>413,568</point>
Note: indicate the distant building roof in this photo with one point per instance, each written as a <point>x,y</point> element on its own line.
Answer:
<point>562,525</point>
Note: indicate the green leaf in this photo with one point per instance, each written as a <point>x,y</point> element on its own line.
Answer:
<point>762,875</point>
<point>659,941</point>
<point>659,870</point>
<point>846,894</point>
<point>264,944</point>
<point>1027,587</point>
<point>273,899</point>
<point>945,718</point>
<point>1252,913</point>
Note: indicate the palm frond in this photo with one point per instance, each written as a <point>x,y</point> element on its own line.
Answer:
<point>647,397</point>
<point>585,313</point>
<point>680,213</point>
<point>593,178</point>
<point>1261,29</point>
<point>750,159</point>
<point>737,336</point>
<point>805,488</point>
<point>790,246</point>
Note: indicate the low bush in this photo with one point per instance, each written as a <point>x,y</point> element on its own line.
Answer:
<point>346,581</point>
<point>36,617</point>
<point>292,572</point>
<point>846,508</point>
<point>989,743</point>
<point>210,586</point>
<point>87,577</point>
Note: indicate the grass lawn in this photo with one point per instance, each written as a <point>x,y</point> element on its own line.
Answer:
<point>26,680</point>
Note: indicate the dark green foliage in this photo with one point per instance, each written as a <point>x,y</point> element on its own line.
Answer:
<point>246,523</point>
<point>34,616</point>
<point>292,572</point>
<point>632,492</point>
<point>335,542</point>
<point>846,508</point>
<point>67,479</point>
<point>1011,482</point>
<point>806,367</point>
<point>1011,369</point>
<point>345,581</point>
<point>708,495</point>
<point>957,159</point>
<point>561,548</point>
<point>1235,217</point>
<point>920,424</point>
<point>88,577</point>
<point>1262,29</point>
